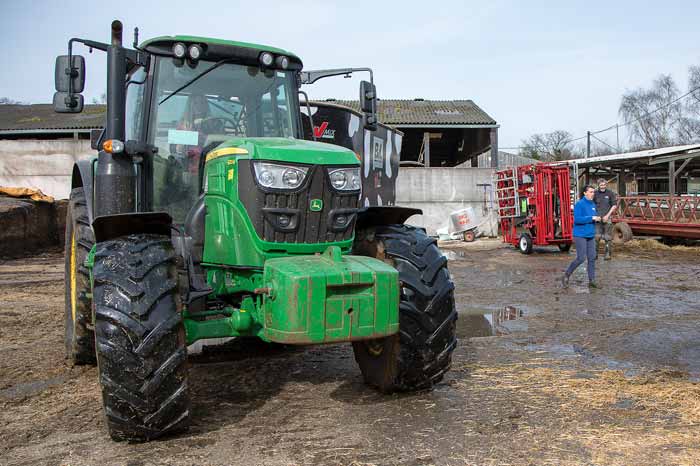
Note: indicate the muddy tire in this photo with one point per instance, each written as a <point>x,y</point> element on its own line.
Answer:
<point>621,233</point>
<point>525,243</point>
<point>141,352</point>
<point>79,334</point>
<point>420,354</point>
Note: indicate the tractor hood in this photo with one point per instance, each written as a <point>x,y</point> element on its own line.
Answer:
<point>292,150</point>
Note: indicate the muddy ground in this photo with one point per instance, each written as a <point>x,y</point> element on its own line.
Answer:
<point>541,376</point>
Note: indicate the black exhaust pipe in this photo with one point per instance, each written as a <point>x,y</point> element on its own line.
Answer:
<point>115,180</point>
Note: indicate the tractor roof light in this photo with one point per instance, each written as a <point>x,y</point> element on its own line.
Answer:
<point>266,59</point>
<point>195,52</point>
<point>179,50</point>
<point>282,62</point>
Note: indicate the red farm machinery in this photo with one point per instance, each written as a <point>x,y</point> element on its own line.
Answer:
<point>534,206</point>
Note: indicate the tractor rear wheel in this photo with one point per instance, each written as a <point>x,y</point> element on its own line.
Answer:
<point>79,334</point>
<point>420,354</point>
<point>141,352</point>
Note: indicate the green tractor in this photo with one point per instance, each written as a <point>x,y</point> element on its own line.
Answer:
<point>206,214</point>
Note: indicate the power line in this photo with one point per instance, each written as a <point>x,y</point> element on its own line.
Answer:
<point>600,140</point>
<point>616,125</point>
<point>651,112</point>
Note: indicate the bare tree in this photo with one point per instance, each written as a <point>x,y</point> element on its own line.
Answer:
<point>653,114</point>
<point>102,99</point>
<point>8,101</point>
<point>548,146</point>
<point>689,124</point>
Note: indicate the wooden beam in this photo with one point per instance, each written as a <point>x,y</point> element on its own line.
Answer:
<point>426,149</point>
<point>683,165</point>
<point>672,177</point>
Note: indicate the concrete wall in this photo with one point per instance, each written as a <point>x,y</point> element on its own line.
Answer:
<point>441,191</point>
<point>43,164</point>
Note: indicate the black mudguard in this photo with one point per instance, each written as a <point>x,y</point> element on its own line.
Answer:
<point>113,226</point>
<point>109,227</point>
<point>384,215</point>
<point>83,176</point>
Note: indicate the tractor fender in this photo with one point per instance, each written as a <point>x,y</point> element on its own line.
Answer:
<point>107,227</point>
<point>384,215</point>
<point>83,177</point>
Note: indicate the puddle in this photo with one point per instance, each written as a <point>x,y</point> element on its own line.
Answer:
<point>453,255</point>
<point>479,323</point>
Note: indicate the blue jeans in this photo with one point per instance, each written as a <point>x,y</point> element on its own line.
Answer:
<point>585,250</point>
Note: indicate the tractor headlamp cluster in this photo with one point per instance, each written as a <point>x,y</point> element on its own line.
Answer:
<point>280,61</point>
<point>275,176</point>
<point>345,179</point>
<point>193,52</point>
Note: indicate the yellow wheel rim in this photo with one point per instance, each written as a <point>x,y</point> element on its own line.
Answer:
<point>374,348</point>
<point>73,276</point>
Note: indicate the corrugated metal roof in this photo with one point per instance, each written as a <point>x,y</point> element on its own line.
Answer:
<point>400,112</point>
<point>426,112</point>
<point>41,116</point>
<point>632,156</point>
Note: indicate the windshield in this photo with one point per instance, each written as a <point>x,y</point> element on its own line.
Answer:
<point>195,108</point>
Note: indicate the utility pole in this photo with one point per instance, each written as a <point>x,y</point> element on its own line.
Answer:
<point>588,145</point>
<point>617,130</point>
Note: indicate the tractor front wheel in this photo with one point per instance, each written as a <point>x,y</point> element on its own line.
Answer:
<point>420,354</point>
<point>141,352</point>
<point>79,335</point>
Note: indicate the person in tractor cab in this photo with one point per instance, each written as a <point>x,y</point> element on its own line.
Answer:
<point>606,204</point>
<point>194,118</point>
<point>585,216</point>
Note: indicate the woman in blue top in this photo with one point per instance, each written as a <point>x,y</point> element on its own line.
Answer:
<point>585,216</point>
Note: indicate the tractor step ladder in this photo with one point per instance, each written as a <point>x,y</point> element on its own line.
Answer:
<point>506,193</point>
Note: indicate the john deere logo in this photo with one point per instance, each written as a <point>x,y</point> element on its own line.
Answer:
<point>316,205</point>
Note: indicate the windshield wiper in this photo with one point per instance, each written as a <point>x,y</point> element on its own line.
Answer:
<point>200,75</point>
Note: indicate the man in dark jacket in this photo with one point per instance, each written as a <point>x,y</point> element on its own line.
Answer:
<point>605,204</point>
<point>585,217</point>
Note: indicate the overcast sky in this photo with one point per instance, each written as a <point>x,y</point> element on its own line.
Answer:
<point>536,68</point>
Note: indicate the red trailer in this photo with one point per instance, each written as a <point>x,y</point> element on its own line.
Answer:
<point>534,205</point>
<point>668,216</point>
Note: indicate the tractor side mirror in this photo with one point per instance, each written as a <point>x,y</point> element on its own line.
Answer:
<point>64,102</point>
<point>70,82</point>
<point>368,104</point>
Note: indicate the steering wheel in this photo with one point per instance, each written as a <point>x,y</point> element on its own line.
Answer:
<point>216,125</point>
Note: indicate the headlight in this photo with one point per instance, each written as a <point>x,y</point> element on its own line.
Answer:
<point>272,175</point>
<point>266,59</point>
<point>179,50</point>
<point>195,52</point>
<point>282,62</point>
<point>345,179</point>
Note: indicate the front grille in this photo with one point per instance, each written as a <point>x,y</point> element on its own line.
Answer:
<point>265,207</point>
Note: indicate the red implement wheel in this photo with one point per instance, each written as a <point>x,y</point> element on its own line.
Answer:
<point>469,236</point>
<point>525,243</point>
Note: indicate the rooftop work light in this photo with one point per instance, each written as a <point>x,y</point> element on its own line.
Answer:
<point>179,50</point>
<point>195,52</point>
<point>282,62</point>
<point>266,59</point>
